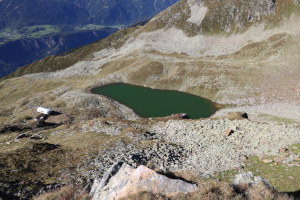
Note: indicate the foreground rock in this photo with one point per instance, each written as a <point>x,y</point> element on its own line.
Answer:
<point>121,181</point>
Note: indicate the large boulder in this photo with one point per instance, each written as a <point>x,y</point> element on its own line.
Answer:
<point>247,178</point>
<point>128,181</point>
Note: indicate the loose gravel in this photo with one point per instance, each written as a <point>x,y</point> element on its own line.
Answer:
<point>213,151</point>
<point>164,156</point>
<point>197,145</point>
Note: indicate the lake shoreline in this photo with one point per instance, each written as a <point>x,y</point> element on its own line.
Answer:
<point>215,106</point>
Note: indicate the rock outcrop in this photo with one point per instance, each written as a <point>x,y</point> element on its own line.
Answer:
<point>127,181</point>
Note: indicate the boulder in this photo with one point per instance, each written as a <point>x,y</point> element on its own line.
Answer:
<point>267,161</point>
<point>98,185</point>
<point>36,137</point>
<point>58,119</point>
<point>128,181</point>
<point>22,135</point>
<point>245,115</point>
<point>283,149</point>
<point>244,158</point>
<point>247,178</point>
<point>228,132</point>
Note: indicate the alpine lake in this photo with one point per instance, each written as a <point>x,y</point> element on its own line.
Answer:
<point>147,102</point>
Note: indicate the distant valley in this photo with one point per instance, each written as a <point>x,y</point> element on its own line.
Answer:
<point>31,30</point>
<point>24,51</point>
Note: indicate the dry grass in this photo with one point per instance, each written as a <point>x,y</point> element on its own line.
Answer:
<point>219,191</point>
<point>145,196</point>
<point>262,192</point>
<point>39,164</point>
<point>146,70</point>
<point>68,192</point>
<point>117,65</point>
<point>17,96</point>
<point>15,90</point>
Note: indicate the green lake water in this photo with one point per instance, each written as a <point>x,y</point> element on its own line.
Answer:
<point>147,102</point>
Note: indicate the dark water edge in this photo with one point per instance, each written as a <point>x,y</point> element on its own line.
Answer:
<point>24,51</point>
<point>147,102</point>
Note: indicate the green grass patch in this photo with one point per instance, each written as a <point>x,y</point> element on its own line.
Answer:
<point>96,27</point>
<point>283,177</point>
<point>39,31</point>
<point>28,31</point>
<point>295,148</point>
<point>226,176</point>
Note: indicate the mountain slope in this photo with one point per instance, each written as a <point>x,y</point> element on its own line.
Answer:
<point>243,55</point>
<point>27,24</point>
<point>195,50</point>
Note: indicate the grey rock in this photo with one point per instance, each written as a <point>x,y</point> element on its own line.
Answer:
<point>128,181</point>
<point>98,185</point>
<point>22,135</point>
<point>247,178</point>
<point>36,137</point>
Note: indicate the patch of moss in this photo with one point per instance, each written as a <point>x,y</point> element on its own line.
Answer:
<point>226,176</point>
<point>282,176</point>
<point>295,148</point>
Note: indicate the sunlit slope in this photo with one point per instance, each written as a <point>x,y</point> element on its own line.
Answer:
<point>241,53</point>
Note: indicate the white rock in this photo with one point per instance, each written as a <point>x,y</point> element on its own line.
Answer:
<point>247,178</point>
